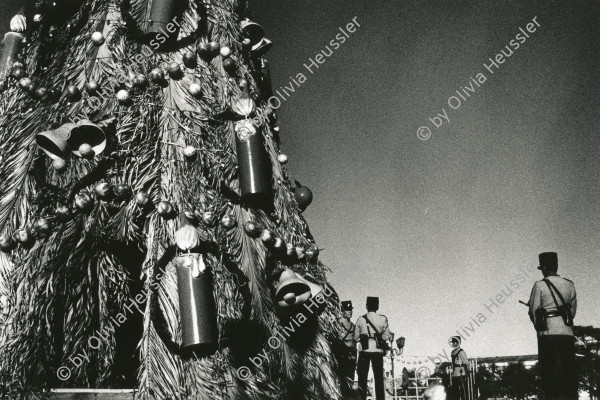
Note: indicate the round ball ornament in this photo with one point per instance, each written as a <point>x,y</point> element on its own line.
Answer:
<point>24,236</point>
<point>157,75</point>
<point>92,87</point>
<point>252,229</point>
<point>195,89</point>
<point>208,218</point>
<point>40,93</point>
<point>123,96</point>
<point>189,152</point>
<point>53,95</point>
<point>267,236</point>
<point>214,48</point>
<point>25,83</point>
<point>63,213</point>
<point>122,191</point>
<point>230,66</point>
<point>175,71</point>
<point>103,190</point>
<point>73,93</point>
<point>42,226</point>
<point>7,243</point>
<point>37,18</point>
<point>84,202</point>
<point>282,158</point>
<point>300,253</point>
<point>303,196</point>
<point>228,221</point>
<point>18,73</point>
<point>225,52</point>
<point>86,151</point>
<point>278,245</point>
<point>140,81</point>
<point>142,198</point>
<point>189,59</point>
<point>204,52</point>
<point>59,165</point>
<point>165,209</point>
<point>98,38</point>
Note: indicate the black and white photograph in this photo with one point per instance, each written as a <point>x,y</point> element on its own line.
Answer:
<point>314,200</point>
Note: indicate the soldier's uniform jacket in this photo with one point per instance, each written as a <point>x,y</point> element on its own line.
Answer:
<point>347,332</point>
<point>364,328</point>
<point>541,297</point>
<point>460,362</point>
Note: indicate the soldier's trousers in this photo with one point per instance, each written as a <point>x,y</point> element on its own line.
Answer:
<point>376,359</point>
<point>459,388</point>
<point>557,367</point>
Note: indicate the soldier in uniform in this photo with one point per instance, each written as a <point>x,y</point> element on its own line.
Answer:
<point>554,300</point>
<point>346,335</point>
<point>369,326</point>
<point>460,370</point>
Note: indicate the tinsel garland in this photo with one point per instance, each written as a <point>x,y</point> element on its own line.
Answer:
<point>70,284</point>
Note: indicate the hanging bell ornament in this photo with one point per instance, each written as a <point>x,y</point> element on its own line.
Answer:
<point>165,209</point>
<point>199,331</point>
<point>103,190</point>
<point>303,196</point>
<point>86,132</point>
<point>291,291</point>
<point>84,202</point>
<point>97,38</point>
<point>228,221</point>
<point>7,243</point>
<point>142,198</point>
<point>252,229</point>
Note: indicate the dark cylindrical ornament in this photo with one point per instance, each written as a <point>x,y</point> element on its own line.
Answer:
<point>197,309</point>
<point>254,163</point>
<point>163,25</point>
<point>11,46</point>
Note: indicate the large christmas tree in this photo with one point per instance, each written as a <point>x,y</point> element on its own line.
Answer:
<point>151,235</point>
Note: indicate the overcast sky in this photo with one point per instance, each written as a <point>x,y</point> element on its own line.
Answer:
<point>437,227</point>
